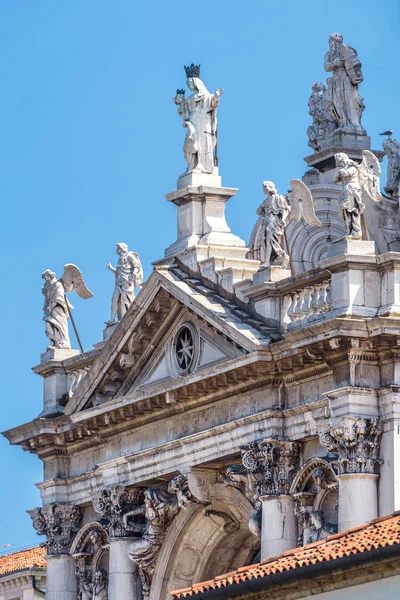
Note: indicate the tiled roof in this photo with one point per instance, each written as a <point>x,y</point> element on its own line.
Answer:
<point>379,533</point>
<point>25,559</point>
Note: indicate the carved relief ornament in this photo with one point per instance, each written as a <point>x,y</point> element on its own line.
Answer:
<point>355,442</point>
<point>59,524</point>
<point>112,504</point>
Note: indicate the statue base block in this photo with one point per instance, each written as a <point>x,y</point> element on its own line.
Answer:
<point>349,245</point>
<point>109,330</point>
<point>57,354</point>
<point>272,274</point>
<point>195,179</point>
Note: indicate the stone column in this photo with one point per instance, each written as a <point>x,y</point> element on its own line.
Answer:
<point>272,464</point>
<point>124,581</point>
<point>280,530</point>
<point>355,443</point>
<point>113,504</point>
<point>59,524</point>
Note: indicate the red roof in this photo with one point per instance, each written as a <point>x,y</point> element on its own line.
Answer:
<point>379,533</point>
<point>24,559</point>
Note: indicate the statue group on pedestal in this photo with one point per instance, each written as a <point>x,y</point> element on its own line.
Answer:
<point>199,116</point>
<point>339,106</point>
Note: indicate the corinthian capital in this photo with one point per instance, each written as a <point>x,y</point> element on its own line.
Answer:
<point>355,442</point>
<point>271,465</point>
<point>113,503</point>
<point>58,523</point>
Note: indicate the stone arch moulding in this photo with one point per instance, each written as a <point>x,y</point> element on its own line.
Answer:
<point>315,491</point>
<point>198,547</point>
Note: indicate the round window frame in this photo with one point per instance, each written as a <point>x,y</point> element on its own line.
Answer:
<point>195,338</point>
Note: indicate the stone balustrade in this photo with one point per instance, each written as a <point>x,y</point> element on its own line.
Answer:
<point>306,305</point>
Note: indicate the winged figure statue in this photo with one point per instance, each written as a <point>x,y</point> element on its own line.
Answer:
<point>56,307</point>
<point>275,213</point>
<point>361,182</point>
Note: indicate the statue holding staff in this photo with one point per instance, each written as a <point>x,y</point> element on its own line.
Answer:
<point>128,276</point>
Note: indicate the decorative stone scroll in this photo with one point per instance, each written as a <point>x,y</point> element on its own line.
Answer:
<point>355,442</point>
<point>150,521</point>
<point>113,503</point>
<point>59,524</point>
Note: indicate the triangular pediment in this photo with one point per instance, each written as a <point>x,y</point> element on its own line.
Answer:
<point>175,328</point>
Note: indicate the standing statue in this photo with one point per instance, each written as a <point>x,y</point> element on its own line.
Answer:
<point>100,584</point>
<point>128,276</point>
<point>199,115</point>
<point>275,212</point>
<point>323,122</point>
<point>56,307</point>
<point>343,100</point>
<point>360,183</point>
<point>392,151</point>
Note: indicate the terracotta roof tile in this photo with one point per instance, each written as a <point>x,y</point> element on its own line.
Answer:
<point>379,533</point>
<point>25,559</point>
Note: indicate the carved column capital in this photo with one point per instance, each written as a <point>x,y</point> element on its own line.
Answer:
<point>272,464</point>
<point>355,443</point>
<point>58,522</point>
<point>112,504</point>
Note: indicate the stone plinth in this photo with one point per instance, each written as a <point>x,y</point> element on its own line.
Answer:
<point>271,274</point>
<point>352,145</point>
<point>197,178</point>
<point>55,385</point>
<point>348,245</point>
<point>109,330</point>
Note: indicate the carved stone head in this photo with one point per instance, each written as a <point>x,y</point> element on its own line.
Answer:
<point>269,188</point>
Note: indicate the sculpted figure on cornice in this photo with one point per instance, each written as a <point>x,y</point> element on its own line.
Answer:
<point>128,276</point>
<point>159,508</point>
<point>323,122</point>
<point>355,443</point>
<point>56,307</point>
<point>199,116</point>
<point>275,212</point>
<point>343,99</point>
<point>361,183</point>
<point>59,524</point>
<point>392,151</point>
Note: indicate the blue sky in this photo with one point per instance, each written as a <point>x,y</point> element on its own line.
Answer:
<point>90,142</point>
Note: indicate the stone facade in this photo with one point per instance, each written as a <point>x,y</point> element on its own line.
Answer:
<point>235,410</point>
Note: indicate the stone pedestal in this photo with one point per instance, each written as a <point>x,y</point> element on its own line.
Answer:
<point>271,274</point>
<point>196,178</point>
<point>61,583</point>
<point>109,330</point>
<point>358,499</point>
<point>123,576</point>
<point>55,385</point>
<point>349,245</point>
<point>279,525</point>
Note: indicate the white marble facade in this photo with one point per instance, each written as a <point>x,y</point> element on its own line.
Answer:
<point>237,409</point>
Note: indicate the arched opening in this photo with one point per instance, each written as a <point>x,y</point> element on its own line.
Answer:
<point>203,542</point>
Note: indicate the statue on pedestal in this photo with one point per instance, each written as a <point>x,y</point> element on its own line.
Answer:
<point>128,276</point>
<point>199,115</point>
<point>323,122</point>
<point>56,307</point>
<point>275,213</point>
<point>360,182</point>
<point>392,151</point>
<point>344,102</point>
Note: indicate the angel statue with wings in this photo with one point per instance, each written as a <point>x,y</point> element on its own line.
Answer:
<point>56,307</point>
<point>275,212</point>
<point>360,183</point>
<point>128,276</point>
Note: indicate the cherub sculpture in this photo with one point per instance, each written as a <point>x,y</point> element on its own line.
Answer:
<point>275,212</point>
<point>128,276</point>
<point>56,307</point>
<point>199,115</point>
<point>392,151</point>
<point>360,182</point>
